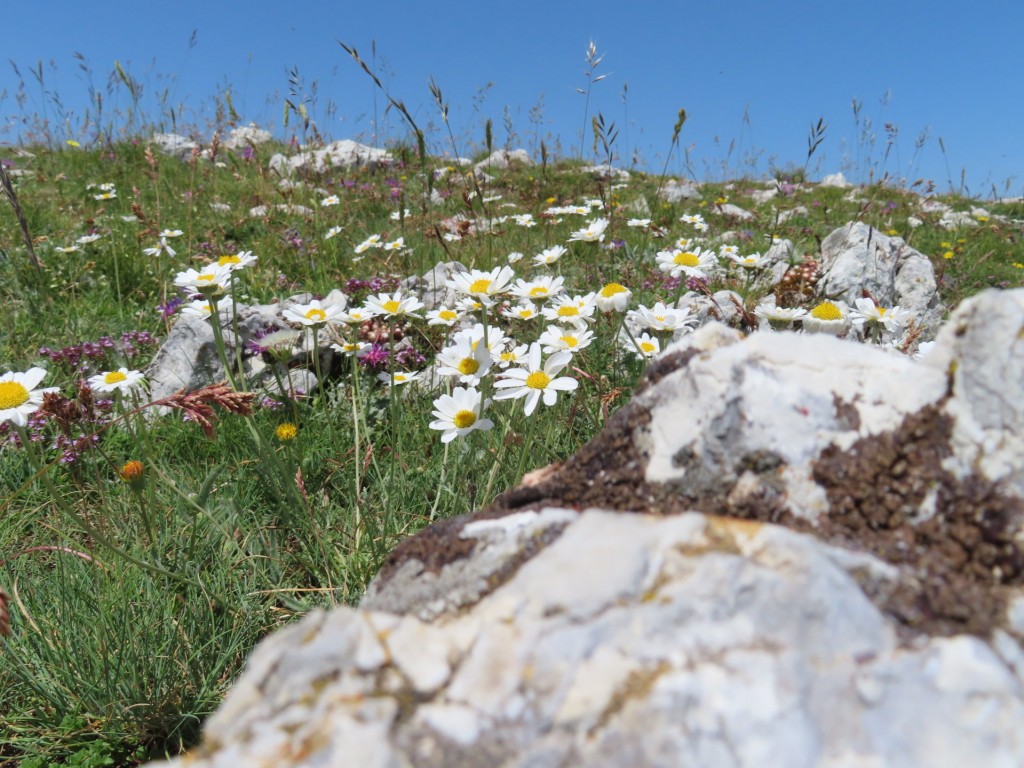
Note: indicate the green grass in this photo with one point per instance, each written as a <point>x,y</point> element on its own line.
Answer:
<point>134,608</point>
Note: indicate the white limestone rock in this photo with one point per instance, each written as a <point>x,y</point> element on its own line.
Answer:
<point>731,211</point>
<point>338,154</point>
<point>629,640</point>
<point>242,136</point>
<point>858,257</point>
<point>675,191</point>
<point>501,159</point>
<point>174,144</point>
<point>835,180</point>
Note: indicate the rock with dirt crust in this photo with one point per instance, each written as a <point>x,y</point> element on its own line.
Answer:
<point>242,136</point>
<point>676,191</point>
<point>786,550</point>
<point>857,257</point>
<point>501,159</point>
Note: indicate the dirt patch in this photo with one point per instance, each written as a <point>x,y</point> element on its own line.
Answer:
<point>957,562</point>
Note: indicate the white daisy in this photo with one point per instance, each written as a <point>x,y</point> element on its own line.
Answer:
<point>693,263</point>
<point>465,360</point>
<point>19,397</point>
<point>613,298</point>
<point>557,338</point>
<point>315,314</point>
<point>641,345</point>
<point>121,380</point>
<point>534,382</point>
<point>549,256</point>
<point>540,288</point>
<point>458,414</point>
<point>592,233</point>
<point>388,305</point>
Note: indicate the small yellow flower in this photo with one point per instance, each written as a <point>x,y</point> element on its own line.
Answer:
<point>982,219</point>
<point>550,200</point>
<point>944,244</point>
<point>72,143</point>
<point>286,432</point>
<point>947,255</point>
<point>1018,265</point>
<point>891,232</point>
<point>721,200</point>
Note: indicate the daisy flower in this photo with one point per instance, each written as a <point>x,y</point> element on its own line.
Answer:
<point>513,355</point>
<point>641,223</point>
<point>373,241</point>
<point>469,305</point>
<point>534,382</point>
<point>203,308</point>
<point>695,219</point>
<point>19,397</point>
<point>67,248</point>
<point>458,414</point>
<point>514,257</point>
<point>86,239</point>
<point>729,250</point>
<point>779,318</point>
<point>496,338</point>
<point>524,220</point>
<point>574,310</point>
<point>480,284</point>
<point>549,256</point>
<point>643,345</point>
<point>693,263</point>
<point>443,316</point>
<point>399,377</point>
<point>388,305</point>
<point>350,348</point>
<point>555,339</point>
<point>112,195</point>
<point>332,232</point>
<point>613,298</point>
<point>329,201</point>
<point>539,288</point>
<point>592,233</point>
<point>161,247</point>
<point>753,261</point>
<point>660,317</point>
<point>829,317</point>
<point>121,380</point>
<point>395,245</point>
<point>211,280</point>
<point>399,215</point>
<point>521,312</point>
<point>465,360</point>
<point>868,312</point>
<point>315,314</point>
<point>236,261</point>
<point>169,233</point>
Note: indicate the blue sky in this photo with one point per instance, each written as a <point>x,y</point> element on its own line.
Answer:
<point>751,74</point>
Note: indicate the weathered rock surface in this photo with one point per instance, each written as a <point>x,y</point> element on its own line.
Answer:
<point>857,257</point>
<point>338,154</point>
<point>501,159</point>
<point>828,573</point>
<point>675,191</point>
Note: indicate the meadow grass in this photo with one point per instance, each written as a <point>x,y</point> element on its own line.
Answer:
<point>136,591</point>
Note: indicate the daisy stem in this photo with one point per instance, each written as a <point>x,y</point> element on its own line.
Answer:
<point>218,338</point>
<point>527,444</point>
<point>354,391</point>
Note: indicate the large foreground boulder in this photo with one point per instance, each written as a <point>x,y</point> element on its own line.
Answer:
<point>826,571</point>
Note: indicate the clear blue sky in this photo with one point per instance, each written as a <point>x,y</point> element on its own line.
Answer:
<point>749,72</point>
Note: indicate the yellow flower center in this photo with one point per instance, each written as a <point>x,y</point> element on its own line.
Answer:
<point>464,419</point>
<point>568,310</point>
<point>113,377</point>
<point>538,380</point>
<point>881,311</point>
<point>316,315</point>
<point>12,394</point>
<point>686,259</point>
<point>826,311</point>
<point>538,290</point>
<point>447,314</point>
<point>468,366</point>
<point>507,357</point>
<point>391,306</point>
<point>570,341</point>
<point>611,289</point>
<point>207,278</point>
<point>526,314</point>
<point>228,259</point>
<point>647,347</point>
<point>480,286</point>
